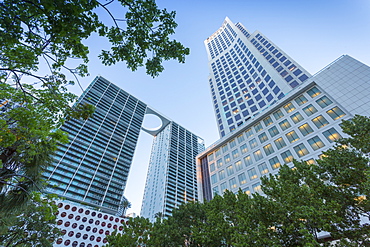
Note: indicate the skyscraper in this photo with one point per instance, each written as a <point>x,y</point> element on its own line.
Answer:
<point>270,110</point>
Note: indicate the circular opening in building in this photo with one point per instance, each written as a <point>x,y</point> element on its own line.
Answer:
<point>152,122</point>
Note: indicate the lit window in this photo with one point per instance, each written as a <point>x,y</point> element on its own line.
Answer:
<point>252,174</point>
<point>258,127</point>
<point>221,174</point>
<point>301,150</point>
<point>275,163</point>
<point>305,129</point>
<point>313,92</point>
<point>320,121</point>
<point>223,187</point>
<point>267,121</point>
<point>289,107</point>
<point>297,117</point>
<point>235,153</point>
<point>232,183</point>
<point>227,158</point>
<point>242,178</point>
<point>238,165</point>
<point>310,162</point>
<point>263,168</point>
<point>278,114</point>
<point>316,143</point>
<point>263,137</point>
<point>230,170</point>
<point>249,133</point>
<point>258,155</point>
<point>240,138</point>
<point>218,153</point>
<point>280,143</point>
<point>292,136</point>
<point>219,163</point>
<point>268,149</point>
<point>332,135</point>
<point>248,160</point>
<point>247,191</point>
<point>257,187</point>
<point>273,131</point>
<point>287,156</point>
<point>244,148</point>
<point>336,113</point>
<point>225,148</point>
<point>253,143</point>
<point>300,100</point>
<point>232,143</point>
<point>214,178</point>
<point>309,110</point>
<point>324,102</point>
<point>284,124</point>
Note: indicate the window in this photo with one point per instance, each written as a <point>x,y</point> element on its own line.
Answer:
<point>235,153</point>
<point>313,92</point>
<point>240,138</point>
<point>278,114</point>
<point>324,102</point>
<point>221,174</point>
<point>212,167</point>
<point>287,156</point>
<point>289,107</point>
<point>292,136</point>
<point>268,149</point>
<point>227,158</point>
<point>232,143</point>
<point>248,160</point>
<point>305,129</point>
<point>274,163</point>
<point>332,135</point>
<point>214,178</point>
<point>320,121</point>
<point>258,127</point>
<point>215,191</point>
<point>335,113</point>
<point>309,110</point>
<point>258,155</point>
<point>238,165</point>
<point>219,163</point>
<point>225,148</point>
<point>273,131</point>
<point>263,168</point>
<point>223,187</point>
<point>257,187</point>
<point>244,148</point>
<point>300,100</point>
<point>218,153</point>
<point>263,137</point>
<point>230,170</point>
<point>242,178</point>
<point>280,143</point>
<point>232,183</point>
<point>267,121</point>
<point>211,157</point>
<point>301,150</point>
<point>253,143</point>
<point>310,162</point>
<point>252,174</point>
<point>316,143</point>
<point>249,133</point>
<point>296,117</point>
<point>284,124</point>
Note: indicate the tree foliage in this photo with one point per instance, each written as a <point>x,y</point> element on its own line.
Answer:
<point>297,207</point>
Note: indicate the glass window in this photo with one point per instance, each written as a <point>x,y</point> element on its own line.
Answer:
<point>212,167</point>
<point>301,150</point>
<point>235,153</point>
<point>332,135</point>
<point>324,102</point>
<point>284,124</point>
<point>296,117</point>
<point>232,143</point>
<point>252,174</point>
<point>258,155</point>
<point>278,114</point>
<point>316,143</point>
<point>227,158</point>
<point>219,163</point>
<point>273,131</point>
<point>292,136</point>
<point>309,110</point>
<point>305,129</point>
<point>242,178</point>
<point>263,137</point>
<point>263,168</point>
<point>313,92</point>
<point>320,121</point>
<point>218,153</point>
<point>225,148</point>
<point>280,143</point>
<point>214,178</point>
<point>335,113</point>
<point>257,187</point>
<point>274,163</point>
<point>211,157</point>
<point>238,165</point>
<point>289,107</point>
<point>268,149</point>
<point>215,191</point>
<point>221,174</point>
<point>230,170</point>
<point>248,160</point>
<point>247,191</point>
<point>267,121</point>
<point>223,187</point>
<point>244,148</point>
<point>258,127</point>
<point>287,156</point>
<point>232,183</point>
<point>241,138</point>
<point>300,100</point>
<point>253,143</point>
<point>310,161</point>
<point>249,133</point>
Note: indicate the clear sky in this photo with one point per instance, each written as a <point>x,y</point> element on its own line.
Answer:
<point>314,33</point>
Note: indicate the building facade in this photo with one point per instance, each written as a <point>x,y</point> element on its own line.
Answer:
<point>299,122</point>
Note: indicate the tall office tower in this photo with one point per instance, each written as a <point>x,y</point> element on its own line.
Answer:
<point>171,176</point>
<point>292,115</point>
<point>247,73</point>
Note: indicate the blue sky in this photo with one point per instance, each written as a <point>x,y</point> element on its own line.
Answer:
<point>314,33</point>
